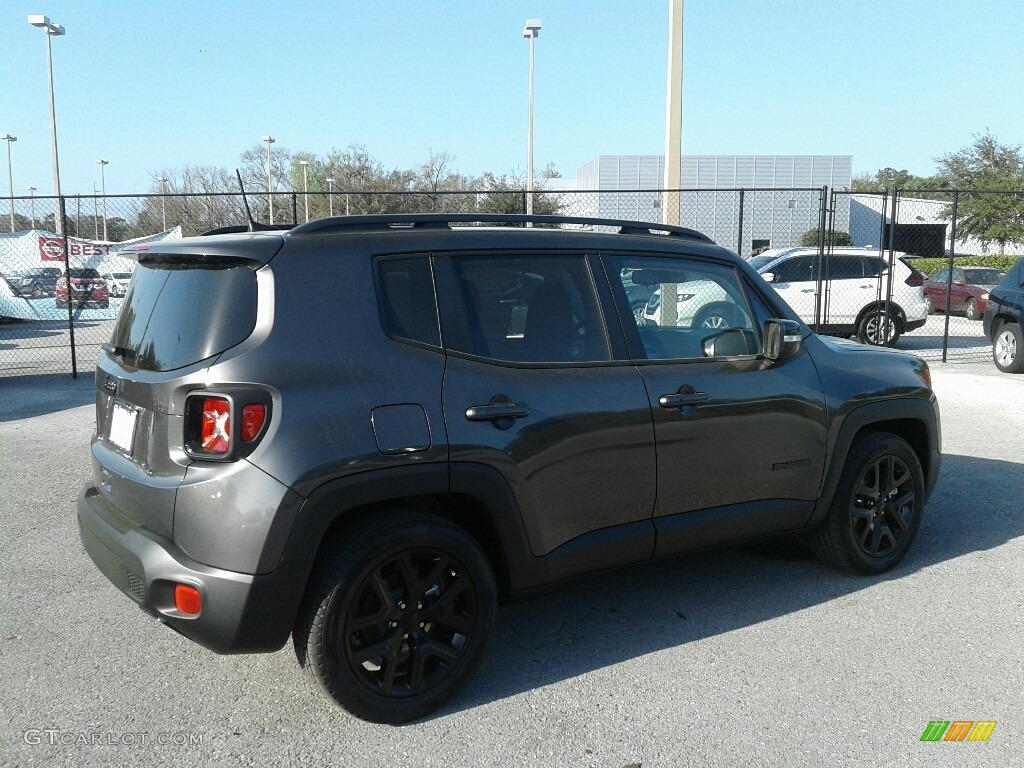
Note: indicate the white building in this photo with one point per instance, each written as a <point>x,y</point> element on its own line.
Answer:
<point>779,195</point>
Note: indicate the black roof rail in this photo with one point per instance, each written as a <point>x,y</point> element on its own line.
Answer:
<point>443,220</point>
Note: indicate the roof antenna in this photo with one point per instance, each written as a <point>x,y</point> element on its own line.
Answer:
<point>253,226</point>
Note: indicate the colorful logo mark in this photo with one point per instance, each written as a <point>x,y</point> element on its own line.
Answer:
<point>958,730</point>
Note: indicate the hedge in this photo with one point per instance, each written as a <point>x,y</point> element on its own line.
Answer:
<point>932,265</point>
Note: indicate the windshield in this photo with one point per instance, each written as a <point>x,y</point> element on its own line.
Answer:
<point>760,262</point>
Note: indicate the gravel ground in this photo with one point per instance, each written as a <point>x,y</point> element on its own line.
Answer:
<point>757,657</point>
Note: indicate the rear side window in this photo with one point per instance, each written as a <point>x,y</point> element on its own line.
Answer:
<point>406,298</point>
<point>527,309</point>
<point>178,314</point>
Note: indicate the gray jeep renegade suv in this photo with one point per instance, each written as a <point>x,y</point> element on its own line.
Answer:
<point>366,431</point>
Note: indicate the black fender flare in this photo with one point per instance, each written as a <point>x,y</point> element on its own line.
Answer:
<point>914,419</point>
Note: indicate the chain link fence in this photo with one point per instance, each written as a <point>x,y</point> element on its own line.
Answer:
<point>51,322</point>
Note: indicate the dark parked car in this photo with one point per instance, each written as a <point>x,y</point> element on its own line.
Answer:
<point>462,415</point>
<point>1003,320</point>
<point>87,289</point>
<point>968,292</point>
<point>35,283</point>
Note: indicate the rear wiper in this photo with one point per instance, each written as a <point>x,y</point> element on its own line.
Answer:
<point>114,349</point>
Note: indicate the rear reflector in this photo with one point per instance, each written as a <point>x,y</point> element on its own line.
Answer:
<point>253,417</point>
<point>215,435</point>
<point>187,599</point>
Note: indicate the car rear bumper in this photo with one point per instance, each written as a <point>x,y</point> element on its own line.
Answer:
<point>240,613</point>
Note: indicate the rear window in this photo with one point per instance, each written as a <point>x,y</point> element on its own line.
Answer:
<point>83,272</point>
<point>178,314</point>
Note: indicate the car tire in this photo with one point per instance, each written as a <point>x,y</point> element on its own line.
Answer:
<point>716,316</point>
<point>871,328</point>
<point>869,532</point>
<point>397,616</point>
<point>1008,348</point>
<point>971,310</point>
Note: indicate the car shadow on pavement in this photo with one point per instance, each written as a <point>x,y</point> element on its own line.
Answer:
<point>627,614</point>
<point>23,397</point>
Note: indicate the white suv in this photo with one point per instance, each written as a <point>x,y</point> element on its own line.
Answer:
<point>856,289</point>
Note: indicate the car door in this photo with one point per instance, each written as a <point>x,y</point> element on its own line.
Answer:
<point>532,391</point>
<point>935,289</point>
<point>794,280</point>
<point>741,443</point>
<point>847,290</point>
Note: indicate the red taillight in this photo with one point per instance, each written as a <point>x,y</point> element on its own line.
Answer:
<point>915,279</point>
<point>215,433</point>
<point>253,417</point>
<point>187,599</point>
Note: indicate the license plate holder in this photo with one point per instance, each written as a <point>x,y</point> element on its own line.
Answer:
<point>122,426</point>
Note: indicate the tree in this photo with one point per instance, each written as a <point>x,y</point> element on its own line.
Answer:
<point>507,194</point>
<point>199,198</point>
<point>810,239</point>
<point>888,179</point>
<point>995,215</point>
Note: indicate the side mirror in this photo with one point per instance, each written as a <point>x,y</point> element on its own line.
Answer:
<point>782,339</point>
<point>768,277</point>
<point>732,342</point>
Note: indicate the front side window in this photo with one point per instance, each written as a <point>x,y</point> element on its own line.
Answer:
<point>527,309</point>
<point>794,270</point>
<point>710,306</point>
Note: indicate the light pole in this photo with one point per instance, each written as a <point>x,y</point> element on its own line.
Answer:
<point>32,192</point>
<point>270,184</point>
<point>10,177</point>
<point>330,194</point>
<point>52,30</point>
<point>163,200</point>
<point>103,189</point>
<point>305,186</point>
<point>531,30</point>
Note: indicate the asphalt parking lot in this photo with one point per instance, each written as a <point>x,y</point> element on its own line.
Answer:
<point>736,657</point>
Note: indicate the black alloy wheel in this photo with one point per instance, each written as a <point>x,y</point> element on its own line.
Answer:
<point>399,616</point>
<point>877,507</point>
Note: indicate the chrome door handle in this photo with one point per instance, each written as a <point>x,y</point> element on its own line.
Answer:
<point>680,399</point>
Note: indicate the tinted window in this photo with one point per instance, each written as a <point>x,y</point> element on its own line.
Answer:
<point>875,266</point>
<point>709,302</point>
<point>982,276</point>
<point>406,291</point>
<point>83,273</point>
<point>521,308</point>
<point>844,267</point>
<point>178,314</point>
<point>795,270</point>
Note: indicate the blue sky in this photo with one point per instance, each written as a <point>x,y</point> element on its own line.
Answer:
<point>153,85</point>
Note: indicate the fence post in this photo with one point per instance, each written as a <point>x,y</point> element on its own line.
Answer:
<point>739,229</point>
<point>820,256</point>
<point>949,276</point>
<point>67,278</point>
<point>892,259</point>
<point>295,209</point>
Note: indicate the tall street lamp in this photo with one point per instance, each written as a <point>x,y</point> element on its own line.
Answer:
<point>32,192</point>
<point>330,194</point>
<point>163,199</point>
<point>52,30</point>
<point>270,184</point>
<point>531,30</point>
<point>103,189</point>
<point>10,177</point>
<point>305,186</point>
